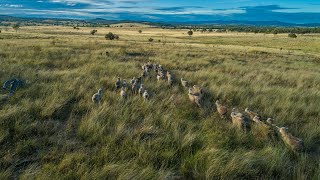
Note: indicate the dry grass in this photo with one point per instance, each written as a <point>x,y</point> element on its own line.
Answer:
<point>51,129</point>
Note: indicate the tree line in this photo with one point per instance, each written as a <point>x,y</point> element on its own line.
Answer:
<point>247,29</point>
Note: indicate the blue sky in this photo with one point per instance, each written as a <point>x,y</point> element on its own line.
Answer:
<point>292,11</point>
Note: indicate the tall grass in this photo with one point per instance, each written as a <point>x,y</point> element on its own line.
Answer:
<point>51,129</point>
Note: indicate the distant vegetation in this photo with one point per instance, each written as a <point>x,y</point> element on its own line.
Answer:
<point>292,35</point>
<point>111,36</point>
<point>76,24</point>
<point>16,27</point>
<point>94,31</point>
<point>190,33</point>
<point>273,30</point>
<point>252,29</point>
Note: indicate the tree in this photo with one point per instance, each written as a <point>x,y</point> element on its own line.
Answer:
<point>190,33</point>
<point>140,31</point>
<point>292,35</point>
<point>110,36</point>
<point>92,32</point>
<point>274,32</point>
<point>16,27</point>
<point>150,39</point>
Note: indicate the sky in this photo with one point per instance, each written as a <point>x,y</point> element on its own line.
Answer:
<point>290,11</point>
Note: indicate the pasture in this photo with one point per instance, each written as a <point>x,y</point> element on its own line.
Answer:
<point>51,129</point>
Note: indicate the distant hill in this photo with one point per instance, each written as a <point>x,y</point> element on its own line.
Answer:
<point>56,21</point>
<point>100,21</point>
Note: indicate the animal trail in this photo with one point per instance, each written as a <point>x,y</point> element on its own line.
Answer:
<point>196,96</point>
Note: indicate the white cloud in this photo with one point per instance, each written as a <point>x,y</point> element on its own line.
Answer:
<point>202,12</point>
<point>96,8</point>
<point>12,5</point>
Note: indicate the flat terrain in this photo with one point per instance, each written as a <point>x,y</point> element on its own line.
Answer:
<point>50,129</point>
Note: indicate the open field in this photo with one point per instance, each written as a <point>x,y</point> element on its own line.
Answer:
<point>51,129</point>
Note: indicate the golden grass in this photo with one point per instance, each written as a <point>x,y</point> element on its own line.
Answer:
<point>51,129</point>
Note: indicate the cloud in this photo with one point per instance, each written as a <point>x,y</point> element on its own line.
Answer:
<point>265,8</point>
<point>11,5</point>
<point>153,10</point>
<point>181,8</point>
<point>129,2</point>
<point>87,2</point>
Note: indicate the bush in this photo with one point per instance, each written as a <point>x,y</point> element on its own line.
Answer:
<point>292,35</point>
<point>150,39</point>
<point>111,36</point>
<point>190,33</point>
<point>92,32</point>
<point>16,27</point>
<point>140,31</point>
<point>275,32</point>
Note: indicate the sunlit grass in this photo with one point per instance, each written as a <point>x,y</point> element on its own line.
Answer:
<point>51,129</point>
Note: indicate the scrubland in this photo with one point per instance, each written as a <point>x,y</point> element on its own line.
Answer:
<point>50,129</point>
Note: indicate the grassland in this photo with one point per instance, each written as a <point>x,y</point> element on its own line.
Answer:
<point>51,130</point>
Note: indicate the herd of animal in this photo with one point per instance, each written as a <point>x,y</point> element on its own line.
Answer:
<point>240,120</point>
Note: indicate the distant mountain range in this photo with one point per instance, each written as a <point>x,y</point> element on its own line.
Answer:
<point>4,19</point>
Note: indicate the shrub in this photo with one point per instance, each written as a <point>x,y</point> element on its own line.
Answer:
<point>150,39</point>
<point>111,36</point>
<point>140,31</point>
<point>190,33</point>
<point>92,32</point>
<point>16,27</point>
<point>292,35</point>
<point>275,32</point>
